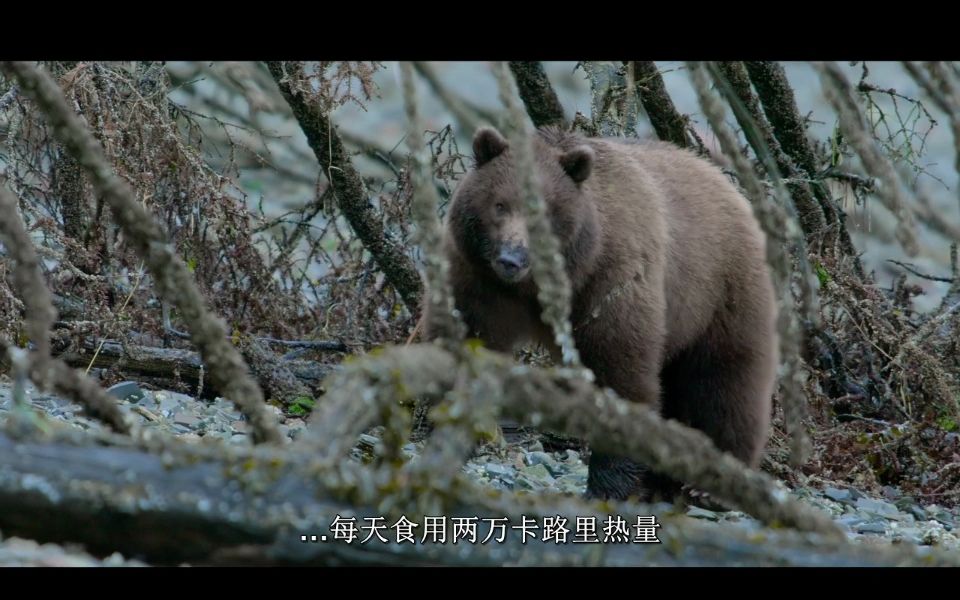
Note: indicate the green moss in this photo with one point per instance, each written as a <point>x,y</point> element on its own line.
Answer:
<point>947,424</point>
<point>301,405</point>
<point>822,276</point>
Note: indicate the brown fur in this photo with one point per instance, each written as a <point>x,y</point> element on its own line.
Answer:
<point>668,250</point>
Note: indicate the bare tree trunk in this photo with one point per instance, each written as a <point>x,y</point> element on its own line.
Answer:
<point>780,107</point>
<point>351,194</point>
<point>537,94</point>
<point>669,124</point>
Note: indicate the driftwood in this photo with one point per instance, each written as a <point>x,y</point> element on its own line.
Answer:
<point>217,504</point>
<point>161,366</point>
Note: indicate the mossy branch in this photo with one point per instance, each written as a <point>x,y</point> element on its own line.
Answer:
<point>788,126</point>
<point>537,94</point>
<point>668,123</point>
<point>779,229</point>
<point>439,306</point>
<point>47,373</point>
<point>809,211</point>
<point>561,400</point>
<point>547,263</point>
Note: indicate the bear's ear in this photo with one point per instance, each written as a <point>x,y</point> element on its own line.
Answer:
<point>487,145</point>
<point>578,163</point>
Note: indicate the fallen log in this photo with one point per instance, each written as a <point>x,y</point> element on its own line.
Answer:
<point>167,502</point>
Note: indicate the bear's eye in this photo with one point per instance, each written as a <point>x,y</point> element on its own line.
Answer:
<point>500,208</point>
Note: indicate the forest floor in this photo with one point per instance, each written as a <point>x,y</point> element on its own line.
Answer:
<point>521,461</point>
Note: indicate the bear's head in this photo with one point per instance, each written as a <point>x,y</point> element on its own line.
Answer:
<point>487,214</point>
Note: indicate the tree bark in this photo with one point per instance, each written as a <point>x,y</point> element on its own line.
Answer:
<point>669,124</point>
<point>537,94</point>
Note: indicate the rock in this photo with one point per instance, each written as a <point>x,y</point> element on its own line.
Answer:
<point>296,424</point>
<point>539,472</point>
<point>701,513</point>
<point>891,493</point>
<point>570,484</point>
<point>734,516</point>
<point>166,403</point>
<point>909,534</point>
<point>542,458</point>
<point>946,519</point>
<point>527,482</point>
<point>837,495</point>
<point>918,513</point>
<point>932,533</point>
<point>872,527</point>
<point>128,391</point>
<point>187,419</point>
<point>850,521</point>
<point>494,470</point>
<point>879,508</point>
<point>499,484</point>
<point>905,503</point>
<point>369,440</point>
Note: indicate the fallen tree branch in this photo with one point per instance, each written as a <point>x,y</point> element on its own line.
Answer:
<point>234,505</point>
<point>273,374</point>
<point>940,88</point>
<point>912,269</point>
<point>440,317</point>
<point>560,400</point>
<point>324,345</point>
<point>810,214</point>
<point>546,258</point>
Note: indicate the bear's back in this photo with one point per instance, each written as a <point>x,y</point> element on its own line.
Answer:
<point>711,246</point>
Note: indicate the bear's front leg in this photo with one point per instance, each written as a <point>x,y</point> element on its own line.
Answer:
<point>624,349</point>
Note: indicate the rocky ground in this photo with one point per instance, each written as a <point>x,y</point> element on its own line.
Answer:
<point>518,463</point>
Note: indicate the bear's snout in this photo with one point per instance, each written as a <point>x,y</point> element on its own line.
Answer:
<point>512,263</point>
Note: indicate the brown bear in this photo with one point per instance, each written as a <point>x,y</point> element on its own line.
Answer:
<point>673,304</point>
